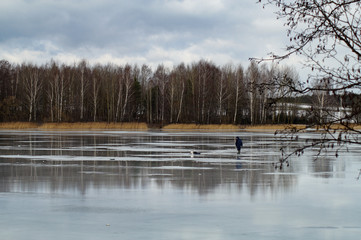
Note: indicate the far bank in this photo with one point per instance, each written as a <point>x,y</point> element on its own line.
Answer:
<point>142,126</point>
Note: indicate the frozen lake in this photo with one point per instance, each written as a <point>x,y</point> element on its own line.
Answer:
<point>147,185</point>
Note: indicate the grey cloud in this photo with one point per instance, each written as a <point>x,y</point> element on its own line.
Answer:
<point>131,28</point>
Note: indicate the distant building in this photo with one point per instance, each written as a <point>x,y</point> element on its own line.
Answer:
<point>308,111</point>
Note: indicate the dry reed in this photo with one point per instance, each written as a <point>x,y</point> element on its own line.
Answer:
<point>18,125</point>
<point>339,127</point>
<point>201,127</point>
<point>144,126</point>
<point>74,126</point>
<point>94,126</point>
<point>273,127</point>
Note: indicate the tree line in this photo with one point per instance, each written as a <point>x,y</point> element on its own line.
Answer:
<point>201,92</point>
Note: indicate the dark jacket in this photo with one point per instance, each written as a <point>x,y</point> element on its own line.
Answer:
<point>238,143</point>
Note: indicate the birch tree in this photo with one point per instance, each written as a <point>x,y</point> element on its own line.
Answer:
<point>128,89</point>
<point>161,77</point>
<point>32,83</point>
<point>84,86</point>
<point>223,88</point>
<point>145,78</point>
<point>181,75</point>
<point>120,85</point>
<point>96,76</point>
<point>237,91</point>
<point>253,76</point>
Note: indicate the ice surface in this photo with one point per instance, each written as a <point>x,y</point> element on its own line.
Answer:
<point>148,185</point>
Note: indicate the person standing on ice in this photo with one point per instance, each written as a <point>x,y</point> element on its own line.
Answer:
<point>239,144</point>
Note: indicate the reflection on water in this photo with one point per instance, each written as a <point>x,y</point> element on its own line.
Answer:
<point>78,160</point>
<point>202,177</point>
<point>137,185</point>
<point>67,161</point>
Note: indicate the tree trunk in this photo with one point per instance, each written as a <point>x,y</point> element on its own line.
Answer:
<point>82,94</point>
<point>180,102</point>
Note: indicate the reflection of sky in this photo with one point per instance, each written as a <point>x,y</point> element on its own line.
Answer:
<point>164,193</point>
<point>316,212</point>
<point>157,153</point>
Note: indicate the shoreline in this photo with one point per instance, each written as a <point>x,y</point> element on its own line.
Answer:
<point>78,126</point>
<point>141,126</point>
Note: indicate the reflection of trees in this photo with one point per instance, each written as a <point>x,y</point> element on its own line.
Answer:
<point>328,167</point>
<point>193,176</point>
<point>254,175</point>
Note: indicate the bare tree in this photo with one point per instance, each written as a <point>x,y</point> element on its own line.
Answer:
<point>172,89</point>
<point>145,78</point>
<point>6,85</point>
<point>161,77</point>
<point>128,89</point>
<point>120,83</point>
<point>177,84</point>
<point>9,83</point>
<point>237,88</point>
<point>136,106</point>
<point>182,77</point>
<point>280,84</point>
<point>111,83</point>
<point>204,79</point>
<point>327,34</point>
<point>201,92</point>
<point>56,91</point>
<point>32,83</point>
<point>51,95</point>
<point>84,86</point>
<point>253,76</point>
<point>223,88</point>
<point>96,76</point>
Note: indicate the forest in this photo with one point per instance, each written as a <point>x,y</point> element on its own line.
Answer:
<point>201,93</point>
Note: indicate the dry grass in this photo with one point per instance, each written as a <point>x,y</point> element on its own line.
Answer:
<point>273,127</point>
<point>231,127</point>
<point>339,127</point>
<point>94,126</point>
<point>74,126</point>
<point>144,126</point>
<point>356,126</point>
<point>201,127</point>
<point>18,125</point>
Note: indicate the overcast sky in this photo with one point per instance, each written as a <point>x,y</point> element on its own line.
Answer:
<point>138,31</point>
